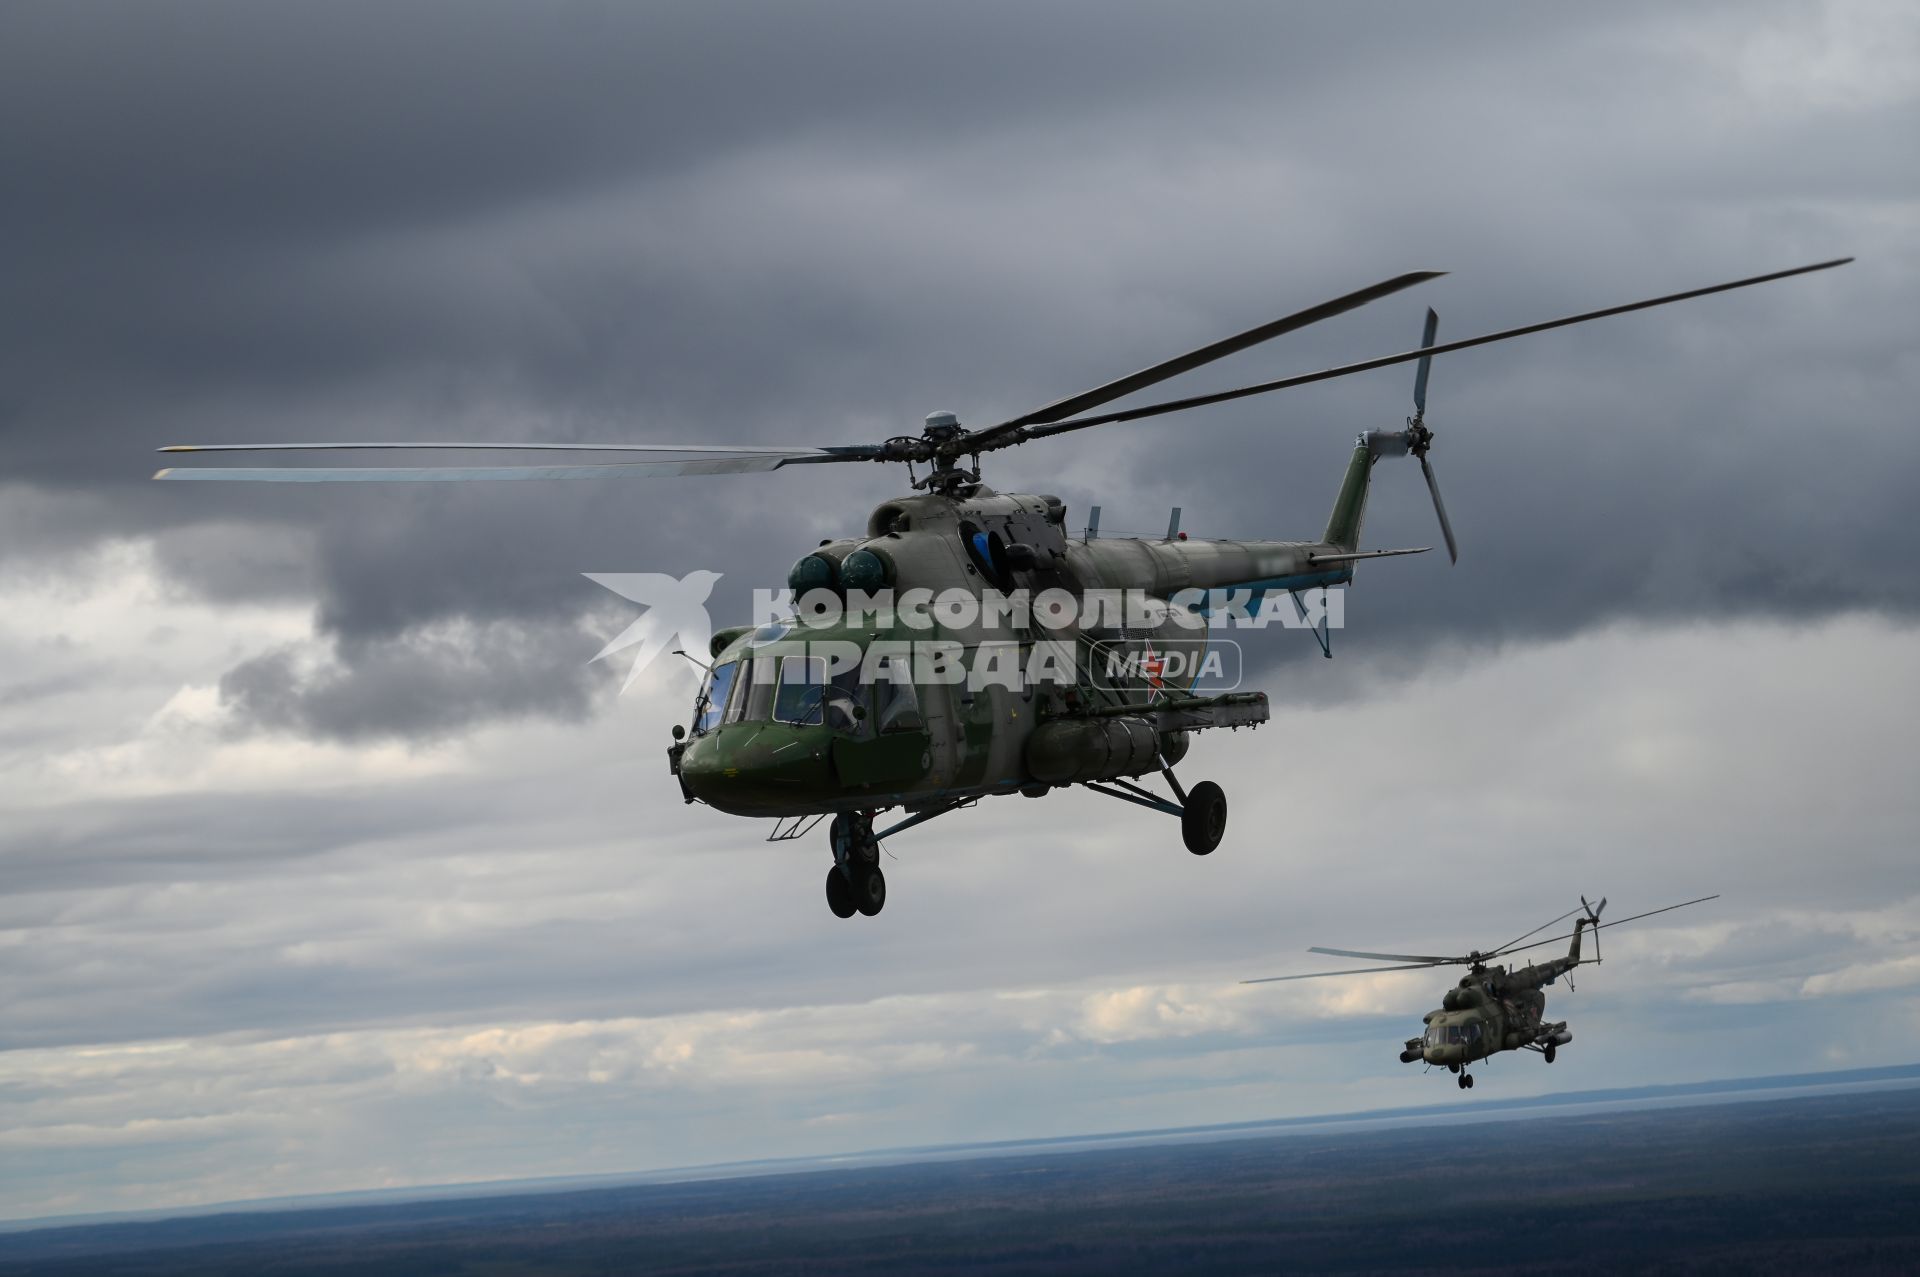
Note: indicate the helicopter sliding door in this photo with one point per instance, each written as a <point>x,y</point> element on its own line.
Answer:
<point>891,745</point>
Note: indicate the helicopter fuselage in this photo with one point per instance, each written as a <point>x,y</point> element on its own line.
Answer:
<point>901,714</point>
<point>1494,1009</point>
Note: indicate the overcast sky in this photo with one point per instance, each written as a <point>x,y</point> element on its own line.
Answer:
<point>327,861</point>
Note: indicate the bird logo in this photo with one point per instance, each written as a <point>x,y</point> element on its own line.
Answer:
<point>676,615</point>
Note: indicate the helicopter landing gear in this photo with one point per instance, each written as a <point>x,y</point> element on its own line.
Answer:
<point>870,891</point>
<point>1202,810</point>
<point>855,883</point>
<point>1547,1053</point>
<point>840,894</point>
<point>1465,1081</point>
<point>1203,820</point>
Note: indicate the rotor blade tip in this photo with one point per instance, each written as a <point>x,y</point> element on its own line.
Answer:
<point>179,447</point>
<point>163,474</point>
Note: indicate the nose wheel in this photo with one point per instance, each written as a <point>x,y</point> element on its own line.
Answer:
<point>855,883</point>
<point>840,894</point>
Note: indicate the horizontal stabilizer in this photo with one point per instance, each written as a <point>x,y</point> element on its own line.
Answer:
<point>1350,555</point>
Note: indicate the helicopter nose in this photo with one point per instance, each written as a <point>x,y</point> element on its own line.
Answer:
<point>750,769</point>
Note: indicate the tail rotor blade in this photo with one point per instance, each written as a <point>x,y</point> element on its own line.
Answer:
<point>1440,508</point>
<point>1426,362</point>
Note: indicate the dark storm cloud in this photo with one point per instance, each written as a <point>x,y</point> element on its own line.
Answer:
<point>815,223</point>
<point>420,683</point>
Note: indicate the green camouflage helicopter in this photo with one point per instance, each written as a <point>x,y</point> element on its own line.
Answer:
<point>1492,1009</point>
<point>845,713</point>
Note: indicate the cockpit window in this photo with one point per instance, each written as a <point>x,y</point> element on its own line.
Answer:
<point>713,700</point>
<point>737,694</point>
<point>803,681</point>
<point>1452,1034</point>
<point>753,697</point>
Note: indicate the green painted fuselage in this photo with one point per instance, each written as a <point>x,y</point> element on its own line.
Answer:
<point>955,740</point>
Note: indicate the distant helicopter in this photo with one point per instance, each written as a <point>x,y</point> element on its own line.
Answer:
<point>779,732</point>
<point>1492,1009</point>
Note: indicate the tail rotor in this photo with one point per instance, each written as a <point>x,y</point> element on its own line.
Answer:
<point>1593,919</point>
<point>1420,439</point>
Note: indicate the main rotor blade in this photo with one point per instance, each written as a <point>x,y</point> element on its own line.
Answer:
<point>1207,354</point>
<point>470,474</point>
<point>1615,923</point>
<point>1536,931</point>
<point>1384,957</point>
<point>1426,362</point>
<point>1367,365</point>
<point>757,450</point>
<point>1315,975</point>
<point>1440,508</point>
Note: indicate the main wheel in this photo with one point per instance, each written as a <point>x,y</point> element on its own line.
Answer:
<point>840,894</point>
<point>870,891</point>
<point>1461,1081</point>
<point>1467,1079</point>
<point>1548,1053</point>
<point>1203,822</point>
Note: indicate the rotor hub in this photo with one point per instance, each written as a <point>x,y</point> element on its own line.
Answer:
<point>942,427</point>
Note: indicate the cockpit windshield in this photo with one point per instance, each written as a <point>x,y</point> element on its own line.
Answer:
<point>713,698</point>
<point>1452,1034</point>
<point>786,688</point>
<point>802,680</point>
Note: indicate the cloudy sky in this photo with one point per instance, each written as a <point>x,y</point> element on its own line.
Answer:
<point>327,861</point>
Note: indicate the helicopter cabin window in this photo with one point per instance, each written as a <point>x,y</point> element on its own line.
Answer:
<point>714,703</point>
<point>803,681</point>
<point>898,704</point>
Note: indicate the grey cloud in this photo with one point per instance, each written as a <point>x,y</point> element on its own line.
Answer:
<point>817,223</point>
<point>425,684</point>
<point>657,222</point>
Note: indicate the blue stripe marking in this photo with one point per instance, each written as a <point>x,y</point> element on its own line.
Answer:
<point>1298,581</point>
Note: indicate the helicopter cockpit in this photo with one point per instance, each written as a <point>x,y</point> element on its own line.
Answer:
<point>797,689</point>
<point>1452,1034</point>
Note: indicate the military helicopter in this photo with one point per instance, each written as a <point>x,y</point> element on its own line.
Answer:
<point>1492,1009</point>
<point>779,731</point>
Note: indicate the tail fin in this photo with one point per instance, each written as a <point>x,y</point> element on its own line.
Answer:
<point>1579,927</point>
<point>1350,507</point>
